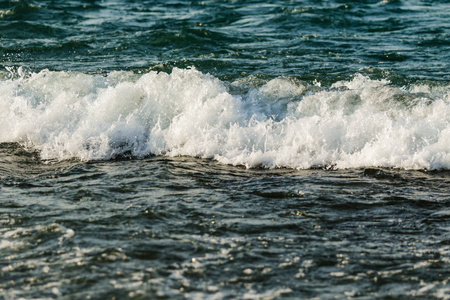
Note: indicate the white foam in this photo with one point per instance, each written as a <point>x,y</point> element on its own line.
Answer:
<point>283,123</point>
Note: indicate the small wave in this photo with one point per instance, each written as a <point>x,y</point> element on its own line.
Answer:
<point>18,12</point>
<point>29,30</point>
<point>281,123</point>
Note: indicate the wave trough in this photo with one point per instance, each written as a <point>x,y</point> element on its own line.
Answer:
<point>281,123</point>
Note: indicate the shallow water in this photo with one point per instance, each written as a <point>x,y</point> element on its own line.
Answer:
<point>184,227</point>
<point>224,149</point>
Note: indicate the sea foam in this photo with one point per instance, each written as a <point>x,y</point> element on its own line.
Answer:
<point>281,123</point>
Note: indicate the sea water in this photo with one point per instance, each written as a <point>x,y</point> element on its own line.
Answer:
<point>224,149</point>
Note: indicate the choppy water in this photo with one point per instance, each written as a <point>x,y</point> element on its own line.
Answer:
<point>224,149</point>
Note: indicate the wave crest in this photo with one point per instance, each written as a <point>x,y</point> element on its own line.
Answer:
<point>282,123</point>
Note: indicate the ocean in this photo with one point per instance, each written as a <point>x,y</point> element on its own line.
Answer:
<point>225,149</point>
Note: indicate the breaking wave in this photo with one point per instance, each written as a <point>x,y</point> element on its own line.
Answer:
<point>281,123</point>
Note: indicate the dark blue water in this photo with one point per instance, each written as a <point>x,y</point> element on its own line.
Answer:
<point>324,40</point>
<point>224,149</point>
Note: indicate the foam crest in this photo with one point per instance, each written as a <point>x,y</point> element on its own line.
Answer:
<point>282,123</point>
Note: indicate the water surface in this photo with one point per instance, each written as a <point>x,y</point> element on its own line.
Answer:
<point>224,149</point>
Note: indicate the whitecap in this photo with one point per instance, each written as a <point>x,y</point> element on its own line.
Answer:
<point>283,123</point>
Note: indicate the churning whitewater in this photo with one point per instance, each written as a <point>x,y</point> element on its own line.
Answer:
<point>282,123</point>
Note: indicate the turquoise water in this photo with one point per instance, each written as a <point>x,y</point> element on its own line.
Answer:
<point>224,149</point>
